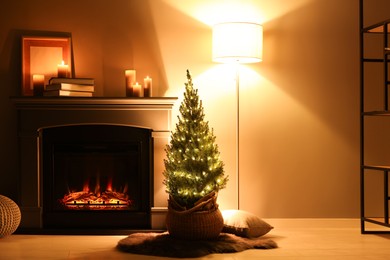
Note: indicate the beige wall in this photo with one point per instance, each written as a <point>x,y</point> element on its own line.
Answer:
<point>299,124</point>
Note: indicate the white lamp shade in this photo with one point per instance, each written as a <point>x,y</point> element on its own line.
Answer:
<point>237,42</point>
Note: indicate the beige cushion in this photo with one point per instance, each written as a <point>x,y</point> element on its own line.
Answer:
<point>244,224</point>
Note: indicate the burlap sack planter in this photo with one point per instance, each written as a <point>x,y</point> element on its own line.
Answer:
<point>202,222</point>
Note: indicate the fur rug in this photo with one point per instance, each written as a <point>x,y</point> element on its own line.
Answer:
<point>161,244</point>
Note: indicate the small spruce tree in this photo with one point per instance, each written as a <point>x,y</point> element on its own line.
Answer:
<point>193,167</point>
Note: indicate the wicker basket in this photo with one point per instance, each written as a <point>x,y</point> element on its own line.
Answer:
<point>202,222</point>
<point>9,216</point>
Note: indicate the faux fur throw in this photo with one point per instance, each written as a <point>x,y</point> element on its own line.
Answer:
<point>162,244</point>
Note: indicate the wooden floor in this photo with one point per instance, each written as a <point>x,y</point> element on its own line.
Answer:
<point>297,239</point>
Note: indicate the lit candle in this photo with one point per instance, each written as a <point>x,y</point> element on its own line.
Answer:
<point>137,90</point>
<point>62,70</point>
<point>38,84</point>
<point>130,80</point>
<point>148,87</point>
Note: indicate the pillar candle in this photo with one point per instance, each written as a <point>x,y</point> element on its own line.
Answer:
<point>137,90</point>
<point>147,87</point>
<point>130,76</point>
<point>63,70</point>
<point>38,84</point>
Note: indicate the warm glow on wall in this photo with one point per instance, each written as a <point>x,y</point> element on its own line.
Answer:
<point>218,11</point>
<point>237,42</point>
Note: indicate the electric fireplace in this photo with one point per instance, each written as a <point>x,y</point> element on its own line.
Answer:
<point>92,163</point>
<point>96,176</point>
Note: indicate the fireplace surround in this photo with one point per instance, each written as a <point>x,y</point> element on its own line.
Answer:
<point>38,115</point>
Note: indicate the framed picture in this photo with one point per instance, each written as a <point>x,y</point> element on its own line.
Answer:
<point>42,59</point>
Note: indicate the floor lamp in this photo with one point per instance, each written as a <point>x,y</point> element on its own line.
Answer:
<point>237,42</point>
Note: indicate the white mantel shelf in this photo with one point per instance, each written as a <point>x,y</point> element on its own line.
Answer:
<point>92,103</point>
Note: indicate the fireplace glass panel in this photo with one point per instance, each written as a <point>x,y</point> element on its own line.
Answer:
<point>96,176</point>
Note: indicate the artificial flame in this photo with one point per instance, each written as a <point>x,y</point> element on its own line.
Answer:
<point>96,199</point>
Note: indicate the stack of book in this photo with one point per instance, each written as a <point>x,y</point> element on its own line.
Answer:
<point>71,87</point>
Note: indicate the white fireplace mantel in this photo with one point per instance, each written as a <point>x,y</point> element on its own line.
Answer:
<point>35,113</point>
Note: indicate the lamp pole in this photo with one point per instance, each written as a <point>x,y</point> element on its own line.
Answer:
<point>238,133</point>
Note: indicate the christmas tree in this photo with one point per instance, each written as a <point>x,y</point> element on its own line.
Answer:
<point>193,167</point>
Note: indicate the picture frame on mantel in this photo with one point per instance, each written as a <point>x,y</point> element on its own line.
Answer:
<point>42,58</point>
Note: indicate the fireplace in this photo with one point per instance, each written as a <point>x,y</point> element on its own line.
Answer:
<point>96,176</point>
<point>111,149</point>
